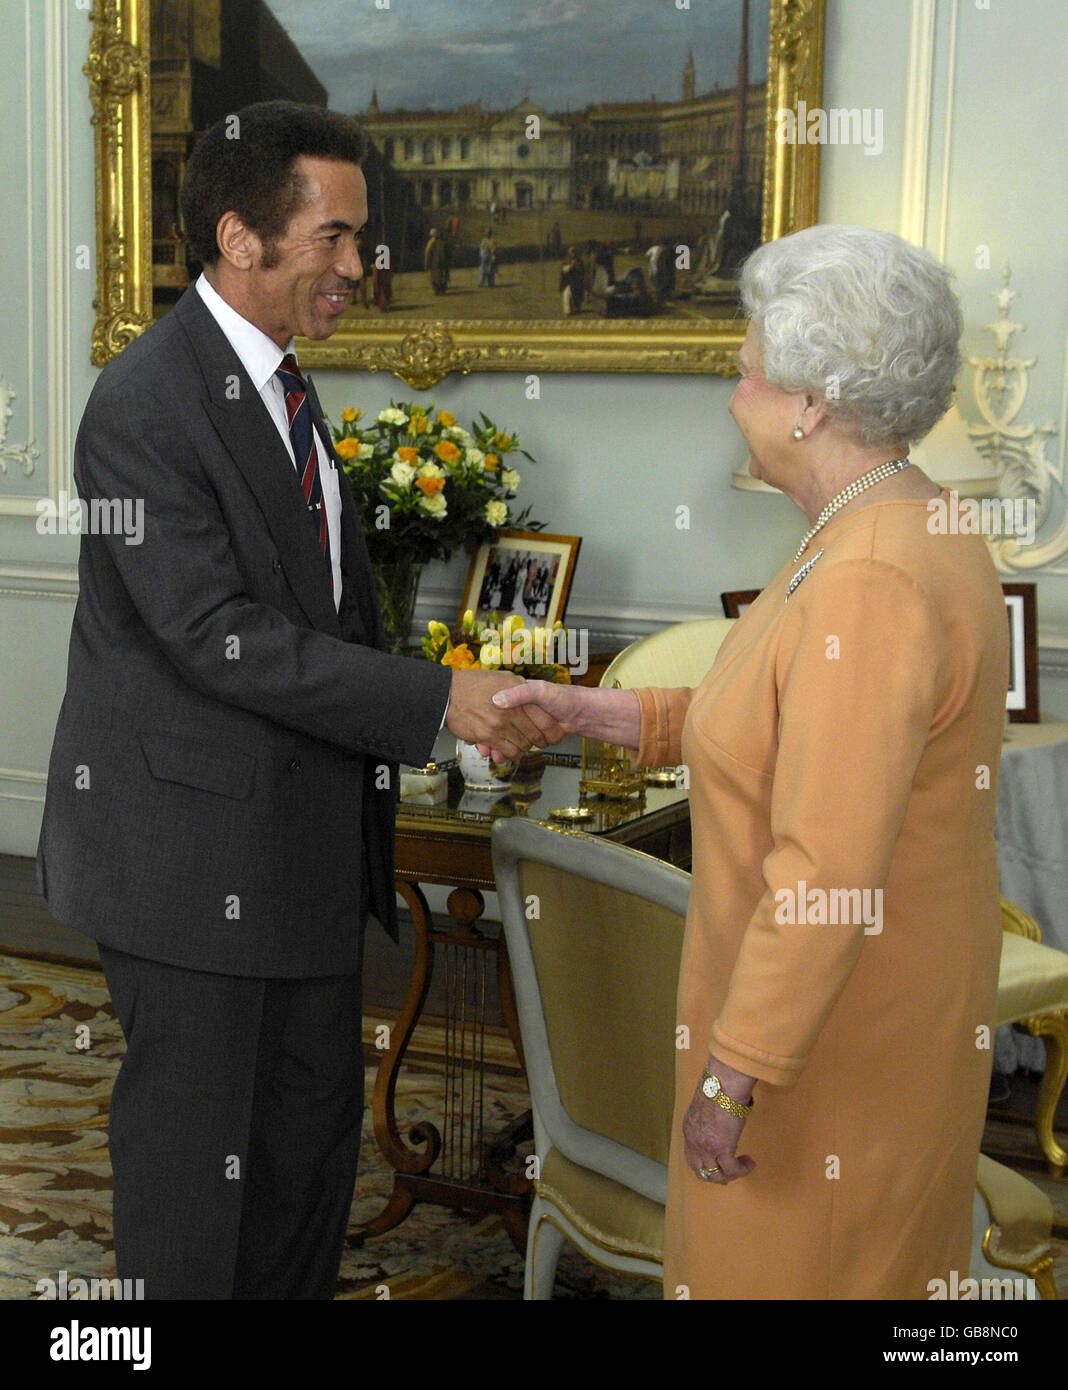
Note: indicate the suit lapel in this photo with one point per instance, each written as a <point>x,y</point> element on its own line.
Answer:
<point>253,442</point>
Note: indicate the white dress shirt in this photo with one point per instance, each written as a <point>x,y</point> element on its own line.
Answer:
<point>261,358</point>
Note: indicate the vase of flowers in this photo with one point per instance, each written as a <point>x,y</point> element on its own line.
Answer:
<point>500,646</point>
<point>426,487</point>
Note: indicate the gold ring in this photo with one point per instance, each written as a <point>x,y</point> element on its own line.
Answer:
<point>708,1173</point>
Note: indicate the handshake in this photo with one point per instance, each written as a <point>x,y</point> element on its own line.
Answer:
<point>505,716</point>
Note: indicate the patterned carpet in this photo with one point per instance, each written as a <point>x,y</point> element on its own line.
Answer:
<point>60,1049</point>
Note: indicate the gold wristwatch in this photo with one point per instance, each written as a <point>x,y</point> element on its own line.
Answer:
<point>710,1086</point>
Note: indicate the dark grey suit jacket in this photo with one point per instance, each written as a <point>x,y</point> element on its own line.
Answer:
<point>224,764</point>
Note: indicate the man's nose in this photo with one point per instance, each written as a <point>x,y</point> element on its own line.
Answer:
<point>350,267</point>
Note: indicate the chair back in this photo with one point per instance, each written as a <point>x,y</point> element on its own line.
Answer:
<point>594,933</point>
<point>678,655</point>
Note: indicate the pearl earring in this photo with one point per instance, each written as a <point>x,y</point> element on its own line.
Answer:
<point>799,433</point>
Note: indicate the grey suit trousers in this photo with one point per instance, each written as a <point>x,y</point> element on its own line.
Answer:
<point>234,1129</point>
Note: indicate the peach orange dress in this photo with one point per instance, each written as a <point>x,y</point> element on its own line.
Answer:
<point>846,738</point>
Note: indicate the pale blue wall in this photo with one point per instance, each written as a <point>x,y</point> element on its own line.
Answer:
<point>617,454</point>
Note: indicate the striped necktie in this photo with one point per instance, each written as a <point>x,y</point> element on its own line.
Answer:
<point>298,412</point>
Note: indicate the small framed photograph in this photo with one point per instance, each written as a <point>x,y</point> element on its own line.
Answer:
<point>522,572</point>
<point>736,601</point>
<point>1022,699</point>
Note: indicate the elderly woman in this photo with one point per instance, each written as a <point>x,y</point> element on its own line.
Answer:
<point>842,943</point>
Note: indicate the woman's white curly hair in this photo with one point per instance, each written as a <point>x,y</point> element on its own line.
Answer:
<point>861,319</point>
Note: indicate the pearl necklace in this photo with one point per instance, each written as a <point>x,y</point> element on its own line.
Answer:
<point>855,488</point>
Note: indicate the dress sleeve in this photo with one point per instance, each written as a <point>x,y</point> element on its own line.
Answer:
<point>662,714</point>
<point>859,665</point>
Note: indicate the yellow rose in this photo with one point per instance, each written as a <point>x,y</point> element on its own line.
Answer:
<point>504,442</point>
<point>447,451</point>
<point>492,463</point>
<point>446,419</point>
<point>349,414</point>
<point>347,448</point>
<point>417,425</point>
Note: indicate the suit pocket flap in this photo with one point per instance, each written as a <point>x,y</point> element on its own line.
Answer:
<point>208,767</point>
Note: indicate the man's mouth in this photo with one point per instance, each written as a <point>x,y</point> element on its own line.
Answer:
<point>337,299</point>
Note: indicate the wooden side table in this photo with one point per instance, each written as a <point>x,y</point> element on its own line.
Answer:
<point>459,1164</point>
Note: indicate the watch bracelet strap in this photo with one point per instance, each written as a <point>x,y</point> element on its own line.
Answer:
<point>728,1103</point>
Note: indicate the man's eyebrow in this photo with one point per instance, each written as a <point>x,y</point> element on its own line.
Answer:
<point>337,225</point>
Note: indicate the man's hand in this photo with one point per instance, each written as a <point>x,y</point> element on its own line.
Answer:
<point>509,733</point>
<point>711,1135</point>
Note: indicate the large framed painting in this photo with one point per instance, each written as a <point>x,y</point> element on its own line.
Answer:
<point>552,187</point>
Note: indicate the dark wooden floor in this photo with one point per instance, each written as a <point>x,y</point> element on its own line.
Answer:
<point>27,927</point>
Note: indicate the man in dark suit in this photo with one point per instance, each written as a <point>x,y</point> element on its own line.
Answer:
<point>222,785</point>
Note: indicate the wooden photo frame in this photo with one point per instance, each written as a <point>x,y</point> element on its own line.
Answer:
<point>522,572</point>
<point>599,152</point>
<point>736,601</point>
<point>1022,612</point>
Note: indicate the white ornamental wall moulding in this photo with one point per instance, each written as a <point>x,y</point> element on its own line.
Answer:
<point>1017,452</point>
<point>27,454</point>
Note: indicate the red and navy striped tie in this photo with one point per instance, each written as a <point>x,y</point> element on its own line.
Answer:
<point>302,436</point>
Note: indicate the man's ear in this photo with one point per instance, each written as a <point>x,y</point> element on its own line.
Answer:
<point>238,243</point>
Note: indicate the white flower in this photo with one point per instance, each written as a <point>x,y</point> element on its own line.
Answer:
<point>431,470</point>
<point>367,451</point>
<point>391,416</point>
<point>474,459</point>
<point>457,434</point>
<point>402,473</point>
<point>434,506</point>
<point>496,513</point>
<point>510,478</point>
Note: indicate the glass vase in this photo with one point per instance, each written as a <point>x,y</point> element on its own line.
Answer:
<point>398,585</point>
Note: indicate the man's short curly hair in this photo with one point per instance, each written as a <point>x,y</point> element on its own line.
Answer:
<point>245,164</point>
<point>862,320</point>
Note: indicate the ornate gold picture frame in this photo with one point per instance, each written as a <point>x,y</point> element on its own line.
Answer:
<point>421,352</point>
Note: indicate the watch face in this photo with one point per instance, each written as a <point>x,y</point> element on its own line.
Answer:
<point>711,1087</point>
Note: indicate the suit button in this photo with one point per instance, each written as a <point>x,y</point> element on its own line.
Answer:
<point>295,765</point>
<point>276,565</point>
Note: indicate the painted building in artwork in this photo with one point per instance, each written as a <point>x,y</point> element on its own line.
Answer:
<point>470,158</point>
<point>650,156</point>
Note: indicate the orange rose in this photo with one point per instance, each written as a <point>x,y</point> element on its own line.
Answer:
<point>417,425</point>
<point>492,463</point>
<point>504,441</point>
<point>461,658</point>
<point>347,448</point>
<point>446,419</point>
<point>447,451</point>
<point>408,454</point>
<point>428,486</point>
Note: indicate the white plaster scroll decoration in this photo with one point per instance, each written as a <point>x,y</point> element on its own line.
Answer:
<point>1017,452</point>
<point>27,454</point>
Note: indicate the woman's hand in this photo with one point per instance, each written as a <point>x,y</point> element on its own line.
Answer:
<point>711,1134</point>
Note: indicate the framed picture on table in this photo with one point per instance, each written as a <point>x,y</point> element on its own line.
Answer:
<point>1022,698</point>
<point>522,572</point>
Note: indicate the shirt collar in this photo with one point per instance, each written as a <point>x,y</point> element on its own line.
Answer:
<point>260,356</point>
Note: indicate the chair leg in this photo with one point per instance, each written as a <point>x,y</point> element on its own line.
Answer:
<point>544,1242</point>
<point>1053,1030</point>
